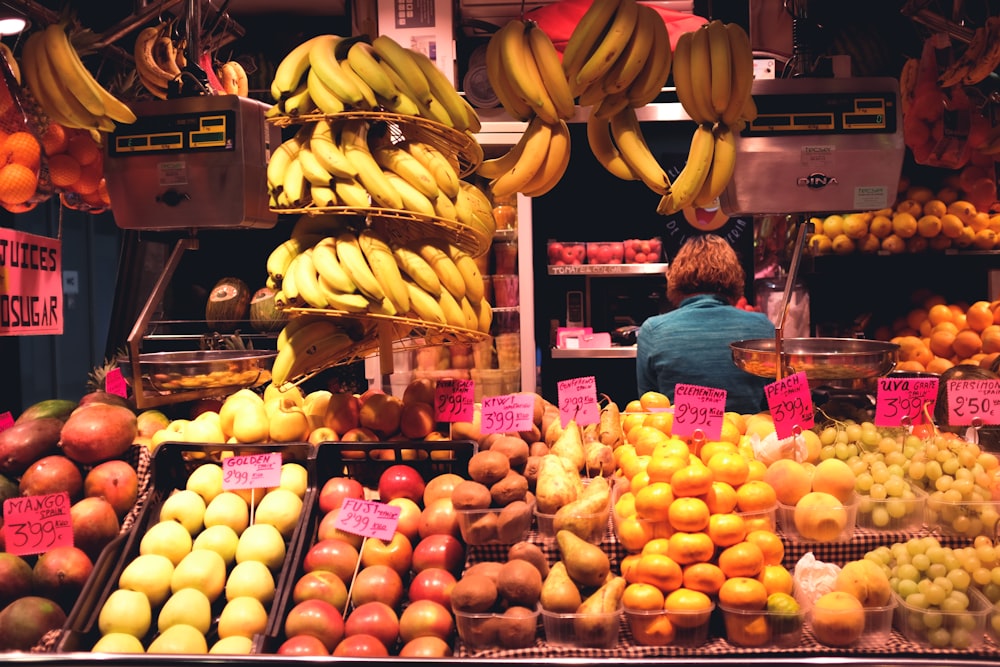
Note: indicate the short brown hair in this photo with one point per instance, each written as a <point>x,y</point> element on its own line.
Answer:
<point>705,264</point>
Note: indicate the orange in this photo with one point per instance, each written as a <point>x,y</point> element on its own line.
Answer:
<point>714,447</point>
<point>54,139</point>
<point>643,596</point>
<point>688,514</point>
<point>755,496</point>
<point>880,226</point>
<point>726,529</point>
<point>652,502</point>
<point>894,244</point>
<point>743,559</point>
<point>633,406</point>
<point>687,548</point>
<point>673,446</point>
<point>631,464</point>
<point>940,312</point>
<point>662,468</point>
<point>627,566</point>
<point>630,420</point>
<point>910,206</point>
<point>951,226</point>
<point>692,480</point>
<point>653,400</point>
<point>64,170</point>
<point>941,343</point>
<point>757,469</point>
<point>660,420</point>
<point>967,343</point>
<point>915,317</point>
<point>640,479</point>
<point>83,147</point>
<point>939,365</point>
<point>645,438</point>
<point>659,570</point>
<point>730,467</point>
<point>985,239</point>
<point>730,432</point>
<point>17,183</point>
<point>704,576</point>
<point>929,226</point>
<point>23,148</point>
<point>979,315</point>
<point>904,224</point>
<point>721,498</point>
<point>90,178</point>
<point>920,194</point>
<point>777,579</point>
<point>688,608</point>
<point>657,545</point>
<point>743,593</point>
<point>935,207</point>
<point>991,338</point>
<point>770,545</point>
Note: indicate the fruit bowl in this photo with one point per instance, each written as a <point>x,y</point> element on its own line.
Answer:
<point>818,358</point>
<point>201,369</point>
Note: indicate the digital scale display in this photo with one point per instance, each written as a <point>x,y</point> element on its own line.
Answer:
<point>191,132</point>
<point>823,113</point>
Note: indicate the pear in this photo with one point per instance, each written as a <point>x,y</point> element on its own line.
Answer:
<point>600,459</point>
<point>586,564</point>
<point>596,621</point>
<point>587,516</point>
<point>560,594</point>
<point>556,484</point>
<point>609,429</point>
<point>569,445</point>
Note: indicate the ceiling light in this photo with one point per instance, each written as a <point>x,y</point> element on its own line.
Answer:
<point>11,22</point>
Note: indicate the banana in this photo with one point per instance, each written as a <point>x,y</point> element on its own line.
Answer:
<point>482,208</point>
<point>701,72</point>
<point>413,200</point>
<point>324,258</point>
<point>683,81</point>
<point>552,170</point>
<point>405,103</point>
<point>349,302</point>
<point>741,72</point>
<point>323,196</point>
<point>484,311</point>
<point>57,99</point>
<point>400,59</point>
<point>650,80</point>
<point>323,58</point>
<point>471,315</point>
<point>368,100</point>
<point>307,280</point>
<point>498,166</point>
<point>288,287</point>
<point>445,268</point>
<point>294,185</point>
<point>462,115</point>
<point>434,111</point>
<point>535,147</point>
<point>31,61</point>
<point>521,71</point>
<point>396,159</point>
<point>150,73</point>
<point>435,162</point>
<point>321,95</point>
<point>959,67</point>
<point>633,56</point>
<point>309,349</point>
<point>627,134</point>
<point>11,61</point>
<point>352,193</point>
<point>988,59</point>
<point>418,270</point>
<point>721,170</point>
<point>603,147</point>
<point>474,288</point>
<point>425,305</point>
<point>328,153</point>
<point>312,170</point>
<point>242,80</point>
<point>444,207</point>
<point>453,315</point>
<point>352,259</point>
<point>497,76</point>
<point>907,82</point>
<point>291,68</point>
<point>363,60</point>
<point>165,55</point>
<point>586,36</point>
<point>299,102</point>
<point>384,307</point>
<point>720,59</point>
<point>475,123</point>
<point>281,256</point>
<point>292,325</point>
<point>611,45</point>
<point>369,172</point>
<point>465,212</point>
<point>688,183</point>
<point>378,252</point>
<point>546,58</point>
<point>277,165</point>
<point>612,104</point>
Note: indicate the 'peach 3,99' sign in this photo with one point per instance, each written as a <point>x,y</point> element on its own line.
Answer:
<point>31,294</point>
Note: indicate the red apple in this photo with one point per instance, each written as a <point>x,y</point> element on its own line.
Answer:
<point>327,529</point>
<point>317,618</point>
<point>426,647</point>
<point>439,517</point>
<point>302,645</point>
<point>321,585</point>
<point>401,481</point>
<point>433,583</point>
<point>335,489</point>
<point>441,486</point>
<point>439,550</point>
<point>359,434</point>
<point>376,619</point>
<point>409,517</point>
<point>397,553</point>
<point>117,482</point>
<point>361,646</point>
<point>342,412</point>
<point>333,555</point>
<point>379,583</point>
<point>381,413</point>
<point>426,618</point>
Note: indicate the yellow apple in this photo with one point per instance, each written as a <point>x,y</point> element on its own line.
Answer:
<point>242,617</point>
<point>179,639</point>
<point>186,507</point>
<point>149,574</point>
<point>202,569</point>
<point>125,611</point>
<point>263,542</point>
<point>187,605</point>
<point>167,538</point>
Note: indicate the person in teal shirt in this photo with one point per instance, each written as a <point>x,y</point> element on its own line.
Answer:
<point>690,344</point>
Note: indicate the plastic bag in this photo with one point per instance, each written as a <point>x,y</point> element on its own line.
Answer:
<point>812,578</point>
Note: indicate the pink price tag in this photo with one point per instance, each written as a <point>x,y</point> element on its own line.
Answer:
<point>114,383</point>
<point>35,524</point>
<point>578,400</point>
<point>508,413</point>
<point>698,409</point>
<point>368,518</point>
<point>901,401</point>
<point>453,400</point>
<point>252,471</point>
<point>791,406</point>
<point>6,420</point>
<point>973,402</point>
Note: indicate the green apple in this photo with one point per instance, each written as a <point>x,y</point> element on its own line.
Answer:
<point>179,639</point>
<point>228,509</point>
<point>251,578</point>
<point>205,428</point>
<point>281,508</point>
<point>174,432</point>
<point>167,538</point>
<point>219,538</point>
<point>187,606</point>
<point>295,478</point>
<point>149,574</point>
<point>186,507</point>
<point>262,542</point>
<point>125,611</point>
<point>232,645</point>
<point>242,616</point>
<point>206,481</point>
<point>204,570</point>
<point>118,642</point>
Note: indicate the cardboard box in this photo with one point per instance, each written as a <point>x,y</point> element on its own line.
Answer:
<point>427,26</point>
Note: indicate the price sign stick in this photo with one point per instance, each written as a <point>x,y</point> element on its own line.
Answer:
<point>357,566</point>
<point>698,439</point>
<point>928,418</point>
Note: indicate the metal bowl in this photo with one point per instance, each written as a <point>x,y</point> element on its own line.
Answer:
<point>818,358</point>
<point>201,369</point>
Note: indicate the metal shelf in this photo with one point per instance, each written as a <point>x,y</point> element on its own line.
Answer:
<point>613,270</point>
<point>616,352</point>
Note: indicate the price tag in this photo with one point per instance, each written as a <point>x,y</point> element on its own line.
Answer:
<point>35,524</point>
<point>508,413</point>
<point>791,406</point>
<point>6,420</point>
<point>252,471</point>
<point>900,401</point>
<point>114,383</point>
<point>368,518</point>
<point>973,402</point>
<point>453,400</point>
<point>698,409</point>
<point>578,400</point>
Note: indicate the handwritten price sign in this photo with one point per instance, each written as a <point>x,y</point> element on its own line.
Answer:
<point>508,413</point>
<point>253,471</point>
<point>698,409</point>
<point>791,406</point>
<point>114,383</point>
<point>973,402</point>
<point>453,400</point>
<point>35,524</point>
<point>6,420</point>
<point>368,518</point>
<point>901,401</point>
<point>578,400</point>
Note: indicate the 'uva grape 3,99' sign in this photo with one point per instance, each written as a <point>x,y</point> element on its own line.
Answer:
<point>31,295</point>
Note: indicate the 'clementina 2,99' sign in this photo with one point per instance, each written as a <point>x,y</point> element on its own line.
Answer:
<point>31,296</point>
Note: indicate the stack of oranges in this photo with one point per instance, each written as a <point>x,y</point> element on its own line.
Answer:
<point>20,165</point>
<point>76,167</point>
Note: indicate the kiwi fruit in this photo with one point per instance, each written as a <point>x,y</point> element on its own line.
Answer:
<point>474,594</point>
<point>471,495</point>
<point>519,583</point>
<point>488,466</point>
<point>512,487</point>
<point>532,553</point>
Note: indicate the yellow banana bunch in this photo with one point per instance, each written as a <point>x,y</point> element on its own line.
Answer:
<point>233,78</point>
<point>688,183</point>
<point>627,135</point>
<point>534,164</point>
<point>713,73</point>
<point>309,349</point>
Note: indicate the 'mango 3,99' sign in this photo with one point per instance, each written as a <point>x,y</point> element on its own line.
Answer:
<point>31,297</point>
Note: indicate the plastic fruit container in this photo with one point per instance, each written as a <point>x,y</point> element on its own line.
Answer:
<point>761,519</point>
<point>643,251</point>
<point>965,518</point>
<point>877,625</point>
<point>833,523</point>
<point>896,514</point>
<point>491,525</point>
<point>490,630</point>
<point>759,628</point>
<point>963,629</point>
<point>605,252</point>
<point>596,630</point>
<point>566,253</point>
<point>659,627</point>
